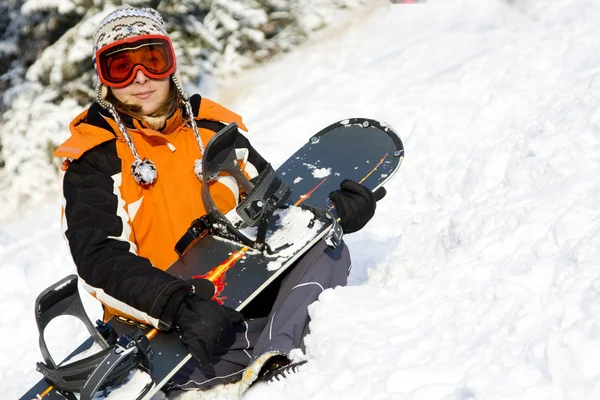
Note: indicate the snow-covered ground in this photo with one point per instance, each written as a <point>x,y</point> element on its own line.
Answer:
<point>479,276</point>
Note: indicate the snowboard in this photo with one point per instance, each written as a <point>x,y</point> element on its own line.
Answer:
<point>364,150</point>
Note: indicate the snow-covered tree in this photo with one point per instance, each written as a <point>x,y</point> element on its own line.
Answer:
<point>47,76</point>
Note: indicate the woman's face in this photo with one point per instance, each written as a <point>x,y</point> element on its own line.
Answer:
<point>144,92</point>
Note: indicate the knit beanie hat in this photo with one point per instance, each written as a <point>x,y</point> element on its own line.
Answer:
<point>129,22</point>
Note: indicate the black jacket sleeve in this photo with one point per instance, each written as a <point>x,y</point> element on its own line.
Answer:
<point>106,260</point>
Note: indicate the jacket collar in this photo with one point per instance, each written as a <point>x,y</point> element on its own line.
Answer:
<point>95,125</point>
<point>172,123</point>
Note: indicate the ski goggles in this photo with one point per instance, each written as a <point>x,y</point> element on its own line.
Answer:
<point>118,63</point>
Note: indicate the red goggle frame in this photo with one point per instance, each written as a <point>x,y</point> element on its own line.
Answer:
<point>118,63</point>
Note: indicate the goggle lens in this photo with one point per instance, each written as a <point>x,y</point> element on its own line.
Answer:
<point>118,64</point>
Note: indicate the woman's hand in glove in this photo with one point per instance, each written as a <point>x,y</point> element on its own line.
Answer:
<point>206,327</point>
<point>355,204</point>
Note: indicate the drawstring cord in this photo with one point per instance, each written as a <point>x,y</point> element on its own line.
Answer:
<point>143,170</point>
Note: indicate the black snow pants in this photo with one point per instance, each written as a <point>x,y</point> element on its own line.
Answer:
<point>283,329</point>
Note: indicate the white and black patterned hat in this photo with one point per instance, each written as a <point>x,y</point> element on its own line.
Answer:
<point>126,22</point>
<point>129,22</point>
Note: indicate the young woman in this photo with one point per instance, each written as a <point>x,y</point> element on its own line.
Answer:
<point>132,189</point>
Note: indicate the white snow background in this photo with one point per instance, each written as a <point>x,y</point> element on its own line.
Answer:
<point>479,277</point>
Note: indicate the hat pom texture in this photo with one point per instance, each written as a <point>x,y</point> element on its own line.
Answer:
<point>144,172</point>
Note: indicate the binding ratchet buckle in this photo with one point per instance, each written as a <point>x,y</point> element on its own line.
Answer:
<point>264,194</point>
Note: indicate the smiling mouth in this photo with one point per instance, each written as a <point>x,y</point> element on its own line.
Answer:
<point>143,94</point>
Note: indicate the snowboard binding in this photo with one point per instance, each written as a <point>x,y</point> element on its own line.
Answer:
<point>264,194</point>
<point>108,367</point>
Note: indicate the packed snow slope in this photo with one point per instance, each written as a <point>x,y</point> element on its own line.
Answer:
<point>479,276</point>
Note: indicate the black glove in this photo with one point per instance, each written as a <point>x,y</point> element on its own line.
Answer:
<point>202,287</point>
<point>205,326</point>
<point>355,204</point>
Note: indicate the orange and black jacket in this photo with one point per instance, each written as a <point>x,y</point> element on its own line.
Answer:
<point>122,235</point>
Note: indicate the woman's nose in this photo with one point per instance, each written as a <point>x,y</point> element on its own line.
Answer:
<point>140,77</point>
